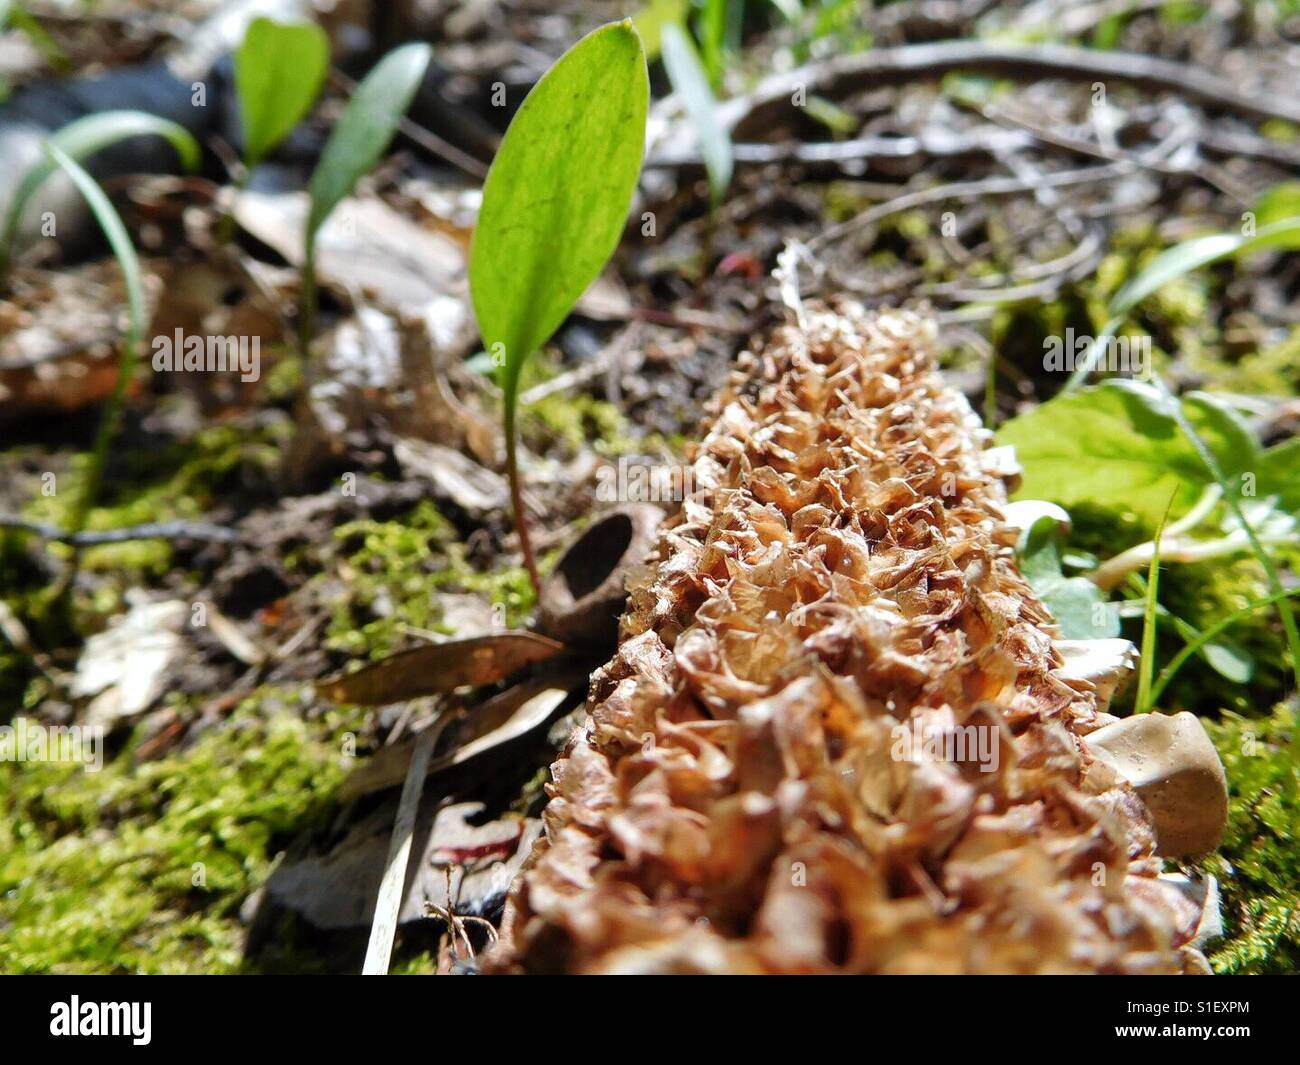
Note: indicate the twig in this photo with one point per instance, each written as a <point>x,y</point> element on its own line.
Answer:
<point>844,75</point>
<point>961,190</point>
<point>166,530</point>
<point>388,904</point>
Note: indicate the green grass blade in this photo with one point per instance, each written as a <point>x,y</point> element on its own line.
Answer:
<point>279,70</point>
<point>83,138</point>
<point>124,250</point>
<point>1234,504</point>
<point>1207,636</point>
<point>690,82</point>
<point>1147,661</point>
<point>1174,263</point>
<point>361,136</point>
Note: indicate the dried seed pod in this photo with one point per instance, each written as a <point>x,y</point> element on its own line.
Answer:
<point>838,734</point>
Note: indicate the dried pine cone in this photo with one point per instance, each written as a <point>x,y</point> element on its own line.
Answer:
<point>751,791</point>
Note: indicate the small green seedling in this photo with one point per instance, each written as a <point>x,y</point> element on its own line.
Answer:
<point>83,138</point>
<point>691,83</point>
<point>555,203</point>
<point>279,71</point>
<point>120,242</point>
<point>356,143</point>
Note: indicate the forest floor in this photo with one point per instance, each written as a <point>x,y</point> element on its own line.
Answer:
<point>365,492</point>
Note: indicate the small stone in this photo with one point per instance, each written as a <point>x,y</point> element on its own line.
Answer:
<point>1176,771</point>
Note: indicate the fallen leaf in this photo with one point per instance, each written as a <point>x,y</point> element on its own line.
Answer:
<point>441,667</point>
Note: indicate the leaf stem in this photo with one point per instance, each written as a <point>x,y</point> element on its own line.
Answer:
<point>307,301</point>
<point>517,494</point>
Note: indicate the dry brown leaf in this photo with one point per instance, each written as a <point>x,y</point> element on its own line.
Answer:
<point>440,667</point>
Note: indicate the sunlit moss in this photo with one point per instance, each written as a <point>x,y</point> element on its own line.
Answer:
<point>142,868</point>
<point>1258,865</point>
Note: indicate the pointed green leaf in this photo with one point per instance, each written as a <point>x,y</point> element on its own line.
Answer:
<point>692,84</point>
<point>556,198</point>
<point>365,129</point>
<point>1172,264</point>
<point>279,70</point>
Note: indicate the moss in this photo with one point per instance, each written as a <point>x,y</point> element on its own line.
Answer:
<point>142,868</point>
<point>1258,865</point>
<point>175,482</point>
<point>392,575</point>
<point>389,578</point>
<point>573,419</point>
<point>1273,371</point>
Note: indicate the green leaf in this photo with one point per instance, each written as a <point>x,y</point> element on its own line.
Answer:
<point>557,196</point>
<point>1278,472</point>
<point>1199,643</point>
<point>1278,203</point>
<point>118,239</point>
<point>82,139</point>
<point>1172,264</point>
<point>1201,251</point>
<point>692,85</point>
<point>1072,601</point>
<point>1119,446</point>
<point>279,70</point>
<point>365,129</point>
<point>651,19</point>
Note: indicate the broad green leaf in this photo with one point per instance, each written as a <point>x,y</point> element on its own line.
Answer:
<point>1230,660</point>
<point>692,85</point>
<point>279,70</point>
<point>365,129</point>
<point>557,196</point>
<point>4,13</point>
<point>118,239</point>
<point>83,138</point>
<point>1076,604</point>
<point>1118,446</point>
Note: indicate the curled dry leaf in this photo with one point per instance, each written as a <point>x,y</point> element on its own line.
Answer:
<point>440,667</point>
<point>771,776</point>
<point>504,718</point>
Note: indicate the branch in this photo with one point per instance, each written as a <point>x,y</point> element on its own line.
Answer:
<point>750,115</point>
<point>167,530</point>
